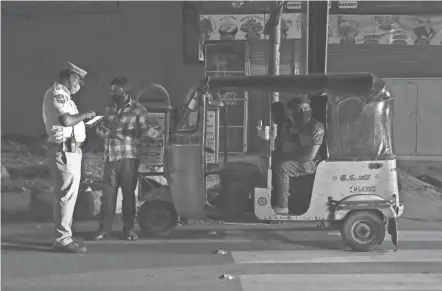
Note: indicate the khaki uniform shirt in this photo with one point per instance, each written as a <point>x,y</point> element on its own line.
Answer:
<point>57,101</point>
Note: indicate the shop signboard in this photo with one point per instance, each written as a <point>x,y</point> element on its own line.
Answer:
<point>244,27</point>
<point>385,29</point>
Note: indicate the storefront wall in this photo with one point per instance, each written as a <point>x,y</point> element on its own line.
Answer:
<point>414,75</point>
<point>106,38</point>
<point>413,72</point>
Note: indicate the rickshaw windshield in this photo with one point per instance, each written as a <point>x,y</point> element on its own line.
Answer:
<point>359,109</point>
<point>359,127</point>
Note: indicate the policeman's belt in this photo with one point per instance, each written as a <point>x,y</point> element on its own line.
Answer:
<point>60,145</point>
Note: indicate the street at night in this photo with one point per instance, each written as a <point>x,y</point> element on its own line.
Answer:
<point>258,257</point>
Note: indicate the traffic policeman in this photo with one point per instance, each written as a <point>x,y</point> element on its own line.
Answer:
<point>66,132</point>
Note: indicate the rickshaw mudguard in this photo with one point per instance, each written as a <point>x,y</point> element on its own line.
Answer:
<point>340,209</point>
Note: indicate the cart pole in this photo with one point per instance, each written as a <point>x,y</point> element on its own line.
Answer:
<point>225,134</point>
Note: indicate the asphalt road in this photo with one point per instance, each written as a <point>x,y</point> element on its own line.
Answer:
<point>258,258</point>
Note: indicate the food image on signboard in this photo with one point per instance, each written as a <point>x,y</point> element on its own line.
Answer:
<point>421,29</point>
<point>206,27</point>
<point>253,28</point>
<point>348,30</point>
<point>286,24</point>
<point>228,28</point>
<point>399,38</point>
<point>384,22</point>
<point>371,39</point>
<point>424,32</point>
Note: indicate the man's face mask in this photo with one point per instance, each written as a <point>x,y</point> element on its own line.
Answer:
<point>303,114</point>
<point>117,94</point>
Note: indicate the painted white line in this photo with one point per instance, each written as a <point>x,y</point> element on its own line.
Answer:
<point>342,282</point>
<point>409,235</point>
<point>170,241</point>
<point>329,256</point>
<point>150,242</point>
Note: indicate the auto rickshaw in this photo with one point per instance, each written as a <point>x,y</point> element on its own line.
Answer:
<point>354,188</point>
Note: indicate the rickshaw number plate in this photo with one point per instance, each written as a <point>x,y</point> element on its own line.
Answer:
<point>363,189</point>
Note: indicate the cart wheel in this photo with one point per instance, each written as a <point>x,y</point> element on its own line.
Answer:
<point>363,231</point>
<point>157,218</point>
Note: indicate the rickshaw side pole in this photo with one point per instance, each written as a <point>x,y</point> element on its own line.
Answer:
<point>274,29</point>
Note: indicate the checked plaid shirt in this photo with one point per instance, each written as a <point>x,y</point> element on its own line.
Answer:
<point>123,130</point>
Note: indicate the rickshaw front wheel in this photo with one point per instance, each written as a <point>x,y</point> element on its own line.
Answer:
<point>157,218</point>
<point>363,231</point>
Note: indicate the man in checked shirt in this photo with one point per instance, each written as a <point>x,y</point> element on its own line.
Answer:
<point>123,128</point>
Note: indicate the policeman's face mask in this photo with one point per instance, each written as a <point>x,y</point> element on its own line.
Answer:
<point>75,85</point>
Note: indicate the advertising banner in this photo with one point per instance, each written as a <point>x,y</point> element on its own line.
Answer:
<point>153,151</point>
<point>385,29</point>
<point>212,136</point>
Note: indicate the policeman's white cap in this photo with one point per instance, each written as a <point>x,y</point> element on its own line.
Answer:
<point>76,70</point>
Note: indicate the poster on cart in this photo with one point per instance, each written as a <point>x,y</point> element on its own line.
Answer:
<point>212,136</point>
<point>153,150</point>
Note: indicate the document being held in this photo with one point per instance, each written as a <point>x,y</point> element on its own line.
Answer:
<point>94,121</point>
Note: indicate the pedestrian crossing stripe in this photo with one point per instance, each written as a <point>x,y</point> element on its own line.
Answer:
<point>338,282</point>
<point>335,257</point>
<point>424,236</point>
<point>153,242</point>
<point>342,282</point>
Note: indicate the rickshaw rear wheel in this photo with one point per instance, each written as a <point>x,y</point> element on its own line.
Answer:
<point>363,231</point>
<point>157,218</point>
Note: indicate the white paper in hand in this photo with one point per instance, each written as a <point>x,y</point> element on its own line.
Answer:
<point>94,120</point>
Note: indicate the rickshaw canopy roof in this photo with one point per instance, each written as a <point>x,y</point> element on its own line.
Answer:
<point>359,112</point>
<point>366,85</point>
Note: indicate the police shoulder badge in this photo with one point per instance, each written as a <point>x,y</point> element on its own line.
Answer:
<point>61,98</point>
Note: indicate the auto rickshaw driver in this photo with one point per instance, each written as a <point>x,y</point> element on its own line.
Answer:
<point>299,156</point>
